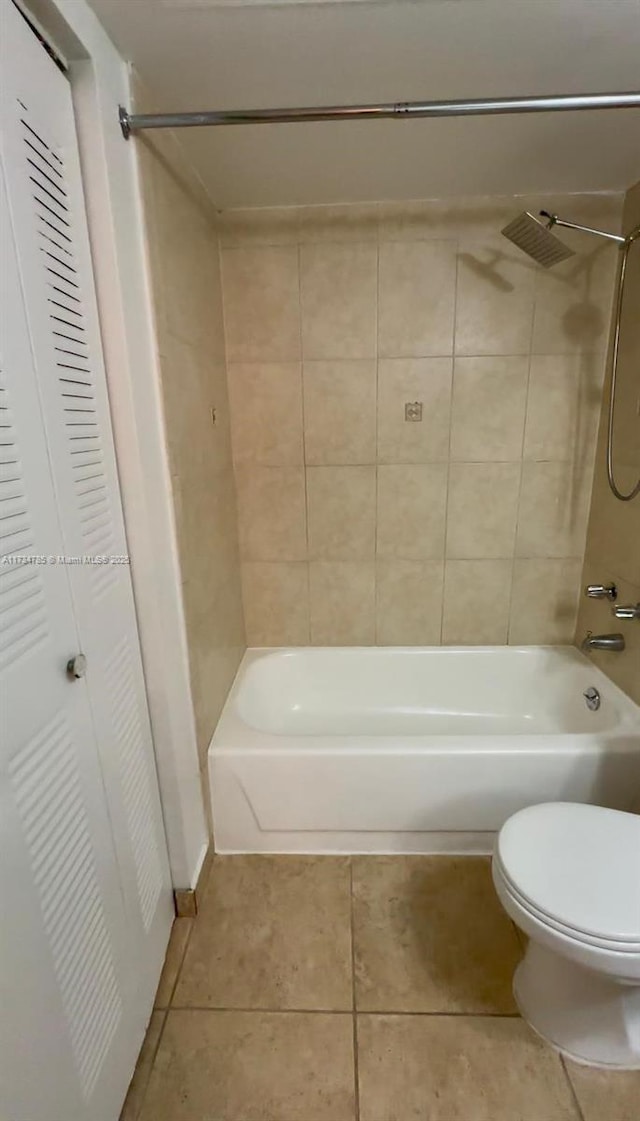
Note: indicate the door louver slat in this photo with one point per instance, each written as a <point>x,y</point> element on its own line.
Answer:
<point>22,603</point>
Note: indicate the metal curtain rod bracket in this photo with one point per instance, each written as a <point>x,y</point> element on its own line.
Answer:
<point>135,122</point>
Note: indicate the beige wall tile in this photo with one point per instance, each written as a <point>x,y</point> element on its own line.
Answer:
<point>627,429</point>
<point>341,512</point>
<point>418,220</point>
<point>215,627</point>
<point>486,415</point>
<point>573,301</point>
<point>614,526</point>
<point>187,292</point>
<point>482,217</point>
<point>338,285</point>
<point>613,537</point>
<point>563,406</point>
<point>494,308</point>
<point>489,397</point>
<point>416,298</point>
<point>266,413</point>
<point>403,380</point>
<point>409,603</point>
<point>261,304</point>
<point>276,603</point>
<point>554,507</point>
<point>208,543</point>
<point>276,225</point>
<point>342,603</point>
<point>184,254</point>
<point>626,445</point>
<point>477,596</point>
<point>482,510</point>
<point>340,412</point>
<point>187,404</point>
<point>595,615</point>
<point>194,384</point>
<point>271,513</point>
<point>351,223</point>
<point>411,511</point>
<point>544,601</point>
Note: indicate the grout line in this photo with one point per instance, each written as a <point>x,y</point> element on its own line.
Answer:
<point>151,1064</point>
<point>522,461</point>
<point>354,1012</point>
<point>377,398</point>
<point>182,960</point>
<point>572,1091</point>
<point>163,1008</point>
<point>165,1013</point>
<point>304,431</point>
<point>245,1010</point>
<point>441,1015</point>
<point>401,357</point>
<point>448,460</point>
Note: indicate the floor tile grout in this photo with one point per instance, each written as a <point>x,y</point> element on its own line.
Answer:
<point>572,1089</point>
<point>268,1011</point>
<point>356,1058</point>
<point>164,1011</point>
<point>143,1093</point>
<point>336,1011</point>
<point>181,963</point>
<point>467,1015</point>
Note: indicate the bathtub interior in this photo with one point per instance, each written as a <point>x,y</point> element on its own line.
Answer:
<point>423,691</point>
<point>414,750</point>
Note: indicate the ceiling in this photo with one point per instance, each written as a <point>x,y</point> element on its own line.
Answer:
<point>219,54</point>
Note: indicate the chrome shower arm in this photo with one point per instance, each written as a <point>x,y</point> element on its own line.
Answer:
<point>555,221</point>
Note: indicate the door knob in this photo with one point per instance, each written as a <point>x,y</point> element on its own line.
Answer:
<point>77,666</point>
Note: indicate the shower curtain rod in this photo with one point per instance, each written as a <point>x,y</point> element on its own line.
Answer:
<point>135,122</point>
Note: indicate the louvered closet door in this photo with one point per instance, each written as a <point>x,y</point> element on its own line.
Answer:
<point>65,1034</point>
<point>47,208</point>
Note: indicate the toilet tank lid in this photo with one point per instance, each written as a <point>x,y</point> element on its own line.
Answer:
<point>578,864</point>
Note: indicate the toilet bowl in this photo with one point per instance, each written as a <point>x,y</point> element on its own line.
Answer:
<point>569,876</point>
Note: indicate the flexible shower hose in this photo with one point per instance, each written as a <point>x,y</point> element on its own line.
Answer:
<point>622,272</point>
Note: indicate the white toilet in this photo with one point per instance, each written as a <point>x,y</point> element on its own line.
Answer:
<point>569,877</point>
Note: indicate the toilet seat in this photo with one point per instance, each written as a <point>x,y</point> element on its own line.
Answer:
<point>579,936</point>
<point>576,868</point>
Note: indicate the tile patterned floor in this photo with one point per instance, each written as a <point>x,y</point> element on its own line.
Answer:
<point>363,989</point>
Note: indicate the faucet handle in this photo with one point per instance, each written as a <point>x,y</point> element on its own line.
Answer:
<point>601,591</point>
<point>626,611</point>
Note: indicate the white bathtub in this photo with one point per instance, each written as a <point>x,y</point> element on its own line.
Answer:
<point>412,750</point>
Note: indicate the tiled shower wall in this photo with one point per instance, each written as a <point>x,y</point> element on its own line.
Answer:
<point>613,537</point>
<point>182,239</point>
<point>359,526</point>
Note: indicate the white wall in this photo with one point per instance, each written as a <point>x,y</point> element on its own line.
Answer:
<point>101,82</point>
<point>200,56</point>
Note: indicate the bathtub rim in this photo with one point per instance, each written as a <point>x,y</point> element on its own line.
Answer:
<point>233,732</point>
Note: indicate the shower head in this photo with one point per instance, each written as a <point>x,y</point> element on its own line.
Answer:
<point>536,239</point>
